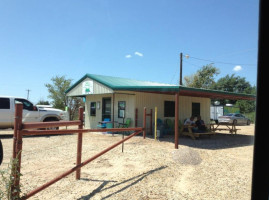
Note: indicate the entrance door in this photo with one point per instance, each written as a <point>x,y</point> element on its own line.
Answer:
<point>106,108</point>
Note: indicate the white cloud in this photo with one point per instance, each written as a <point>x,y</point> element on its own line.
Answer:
<point>138,54</point>
<point>128,56</point>
<point>237,68</point>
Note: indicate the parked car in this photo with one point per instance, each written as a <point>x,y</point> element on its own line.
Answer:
<point>234,118</point>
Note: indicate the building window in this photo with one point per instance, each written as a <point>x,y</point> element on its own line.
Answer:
<point>4,103</point>
<point>93,109</point>
<point>195,109</point>
<point>169,109</point>
<point>121,109</point>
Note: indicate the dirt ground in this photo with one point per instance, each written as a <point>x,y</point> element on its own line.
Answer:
<point>211,167</point>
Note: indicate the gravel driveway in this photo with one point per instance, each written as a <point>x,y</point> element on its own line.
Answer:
<point>212,167</point>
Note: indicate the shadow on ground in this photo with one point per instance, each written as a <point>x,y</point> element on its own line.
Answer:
<point>130,182</point>
<point>217,141</point>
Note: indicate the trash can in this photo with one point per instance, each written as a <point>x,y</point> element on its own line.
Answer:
<point>160,131</point>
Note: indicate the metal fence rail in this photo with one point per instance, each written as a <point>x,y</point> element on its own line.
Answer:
<point>26,129</point>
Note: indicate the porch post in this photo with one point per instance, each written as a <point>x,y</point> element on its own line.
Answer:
<point>144,122</point>
<point>176,119</point>
<point>113,109</point>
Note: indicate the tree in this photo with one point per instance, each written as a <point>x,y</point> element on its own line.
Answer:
<point>233,84</point>
<point>43,102</point>
<point>59,99</point>
<point>203,78</point>
<point>237,84</point>
<point>57,91</point>
<point>73,104</point>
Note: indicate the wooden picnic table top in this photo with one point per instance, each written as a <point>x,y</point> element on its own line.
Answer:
<point>230,127</point>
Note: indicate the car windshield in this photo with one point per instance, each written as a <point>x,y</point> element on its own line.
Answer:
<point>230,114</point>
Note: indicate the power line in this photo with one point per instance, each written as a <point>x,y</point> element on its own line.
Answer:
<point>195,65</point>
<point>237,52</point>
<point>226,63</point>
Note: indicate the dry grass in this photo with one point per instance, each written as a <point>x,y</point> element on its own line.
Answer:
<point>215,167</point>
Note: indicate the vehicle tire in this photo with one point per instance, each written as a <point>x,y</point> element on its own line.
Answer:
<point>235,122</point>
<point>1,152</point>
<point>51,120</point>
<point>248,122</point>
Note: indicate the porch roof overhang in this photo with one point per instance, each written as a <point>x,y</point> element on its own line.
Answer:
<point>122,84</point>
<point>193,92</point>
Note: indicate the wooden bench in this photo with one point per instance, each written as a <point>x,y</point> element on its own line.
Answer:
<point>191,134</point>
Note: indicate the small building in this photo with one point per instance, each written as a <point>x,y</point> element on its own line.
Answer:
<point>120,98</point>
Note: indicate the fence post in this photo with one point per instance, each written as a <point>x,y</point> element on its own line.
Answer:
<point>17,125</point>
<point>79,145</point>
<point>151,121</point>
<point>156,125</point>
<point>17,148</point>
<point>144,122</point>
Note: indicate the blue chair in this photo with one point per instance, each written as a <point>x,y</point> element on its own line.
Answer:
<point>103,124</point>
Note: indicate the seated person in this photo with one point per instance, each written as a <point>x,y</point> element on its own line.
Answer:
<point>200,124</point>
<point>190,122</point>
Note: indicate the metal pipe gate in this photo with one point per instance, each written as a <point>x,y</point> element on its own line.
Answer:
<point>22,129</point>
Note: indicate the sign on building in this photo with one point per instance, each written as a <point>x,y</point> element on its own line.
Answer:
<point>87,87</point>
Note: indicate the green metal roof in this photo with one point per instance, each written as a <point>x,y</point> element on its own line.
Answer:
<point>117,83</point>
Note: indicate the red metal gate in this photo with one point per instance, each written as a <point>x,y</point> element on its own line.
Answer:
<point>24,129</point>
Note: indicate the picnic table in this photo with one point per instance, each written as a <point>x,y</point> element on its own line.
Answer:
<point>224,127</point>
<point>187,131</point>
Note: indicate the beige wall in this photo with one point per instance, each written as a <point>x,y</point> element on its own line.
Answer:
<point>140,100</point>
<point>93,121</point>
<point>150,101</point>
<point>185,107</point>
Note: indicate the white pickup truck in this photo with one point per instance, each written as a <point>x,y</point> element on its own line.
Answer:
<point>31,113</point>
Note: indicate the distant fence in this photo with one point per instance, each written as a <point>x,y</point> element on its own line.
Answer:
<point>26,129</point>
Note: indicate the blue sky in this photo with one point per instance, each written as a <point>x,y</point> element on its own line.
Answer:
<point>130,39</point>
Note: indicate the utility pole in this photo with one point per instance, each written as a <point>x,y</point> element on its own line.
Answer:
<point>28,91</point>
<point>180,77</point>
